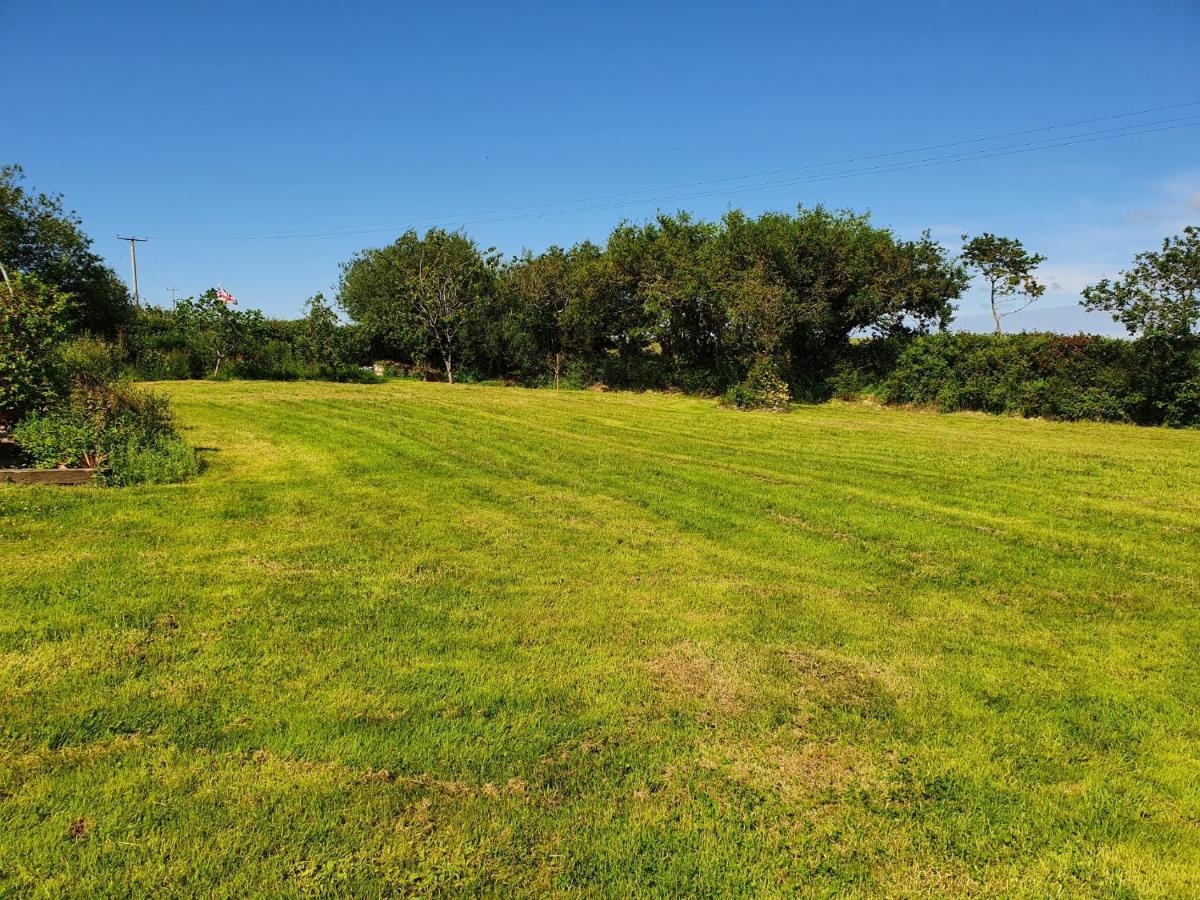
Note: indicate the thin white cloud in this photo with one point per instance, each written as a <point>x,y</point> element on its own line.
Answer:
<point>1176,204</point>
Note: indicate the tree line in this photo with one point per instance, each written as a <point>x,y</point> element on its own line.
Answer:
<point>760,309</point>
<point>676,302</point>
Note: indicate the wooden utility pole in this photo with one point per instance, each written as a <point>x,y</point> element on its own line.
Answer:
<point>133,242</point>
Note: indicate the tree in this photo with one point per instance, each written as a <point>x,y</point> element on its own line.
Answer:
<point>542,293</point>
<point>678,301</point>
<point>31,322</point>
<point>416,295</point>
<point>1160,295</point>
<point>320,338</point>
<point>1008,268</point>
<point>39,237</point>
<point>797,287</point>
<point>214,330</point>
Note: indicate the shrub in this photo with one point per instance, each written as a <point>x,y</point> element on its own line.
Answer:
<point>165,365</point>
<point>632,371</point>
<point>863,366</point>
<point>164,461</point>
<point>60,438</point>
<point>128,431</point>
<point>31,320</point>
<point>1045,375</point>
<point>1167,379</point>
<point>1183,410</point>
<point>763,388</point>
<point>702,380</point>
<point>86,362</point>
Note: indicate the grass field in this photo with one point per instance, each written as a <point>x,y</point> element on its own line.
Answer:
<point>439,639</point>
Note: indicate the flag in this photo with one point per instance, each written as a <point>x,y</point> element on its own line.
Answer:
<point>224,296</point>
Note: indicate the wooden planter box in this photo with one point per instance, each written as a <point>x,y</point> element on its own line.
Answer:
<point>47,476</point>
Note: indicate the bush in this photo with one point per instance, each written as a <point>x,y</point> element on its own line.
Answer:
<point>1168,379</point>
<point>61,438</point>
<point>1183,410</point>
<point>128,431</point>
<point>763,388</point>
<point>86,362</point>
<point>165,365</point>
<point>32,318</point>
<point>163,461</point>
<point>1151,381</point>
<point>632,371</point>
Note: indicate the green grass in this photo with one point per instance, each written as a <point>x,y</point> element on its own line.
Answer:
<point>452,639</point>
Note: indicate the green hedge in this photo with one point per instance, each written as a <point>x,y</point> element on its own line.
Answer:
<point>1051,376</point>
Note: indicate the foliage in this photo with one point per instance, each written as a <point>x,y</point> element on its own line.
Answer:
<point>691,304</point>
<point>763,388</point>
<point>825,301</point>
<point>67,437</point>
<point>1167,373</point>
<point>1160,295</point>
<point>86,361</point>
<point>1008,269</point>
<point>124,429</point>
<point>164,460</point>
<point>1046,375</point>
<point>490,641</point>
<point>320,339</point>
<point>539,292</point>
<point>215,331</point>
<point>39,237</point>
<point>178,343</point>
<point>31,322</point>
<point>415,296</point>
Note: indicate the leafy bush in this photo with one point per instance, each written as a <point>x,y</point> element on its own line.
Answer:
<point>1167,370</point>
<point>1183,409</point>
<point>117,426</point>
<point>1050,376</point>
<point>165,365</point>
<point>86,362</point>
<point>163,461</point>
<point>61,438</point>
<point>124,411</point>
<point>632,371</point>
<point>32,317</point>
<point>763,388</point>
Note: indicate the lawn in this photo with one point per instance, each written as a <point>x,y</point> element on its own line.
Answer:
<point>420,638</point>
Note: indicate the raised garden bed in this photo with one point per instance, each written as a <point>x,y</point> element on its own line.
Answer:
<point>47,476</point>
<point>13,472</point>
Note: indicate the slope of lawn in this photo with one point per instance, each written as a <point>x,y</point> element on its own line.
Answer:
<point>419,638</point>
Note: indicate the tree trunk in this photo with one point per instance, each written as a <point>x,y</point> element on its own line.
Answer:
<point>449,360</point>
<point>995,312</point>
<point>557,369</point>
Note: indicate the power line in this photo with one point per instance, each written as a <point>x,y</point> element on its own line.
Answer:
<point>873,170</point>
<point>567,207</point>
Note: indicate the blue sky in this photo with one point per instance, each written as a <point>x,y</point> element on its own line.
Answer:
<point>221,120</point>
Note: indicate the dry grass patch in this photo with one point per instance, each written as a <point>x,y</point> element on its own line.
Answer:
<point>691,678</point>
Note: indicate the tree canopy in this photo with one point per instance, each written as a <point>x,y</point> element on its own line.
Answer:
<point>1160,295</point>
<point>416,296</point>
<point>1008,269</point>
<point>39,237</point>
<point>696,301</point>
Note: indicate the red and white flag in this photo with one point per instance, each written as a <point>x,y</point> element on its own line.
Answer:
<point>224,296</point>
